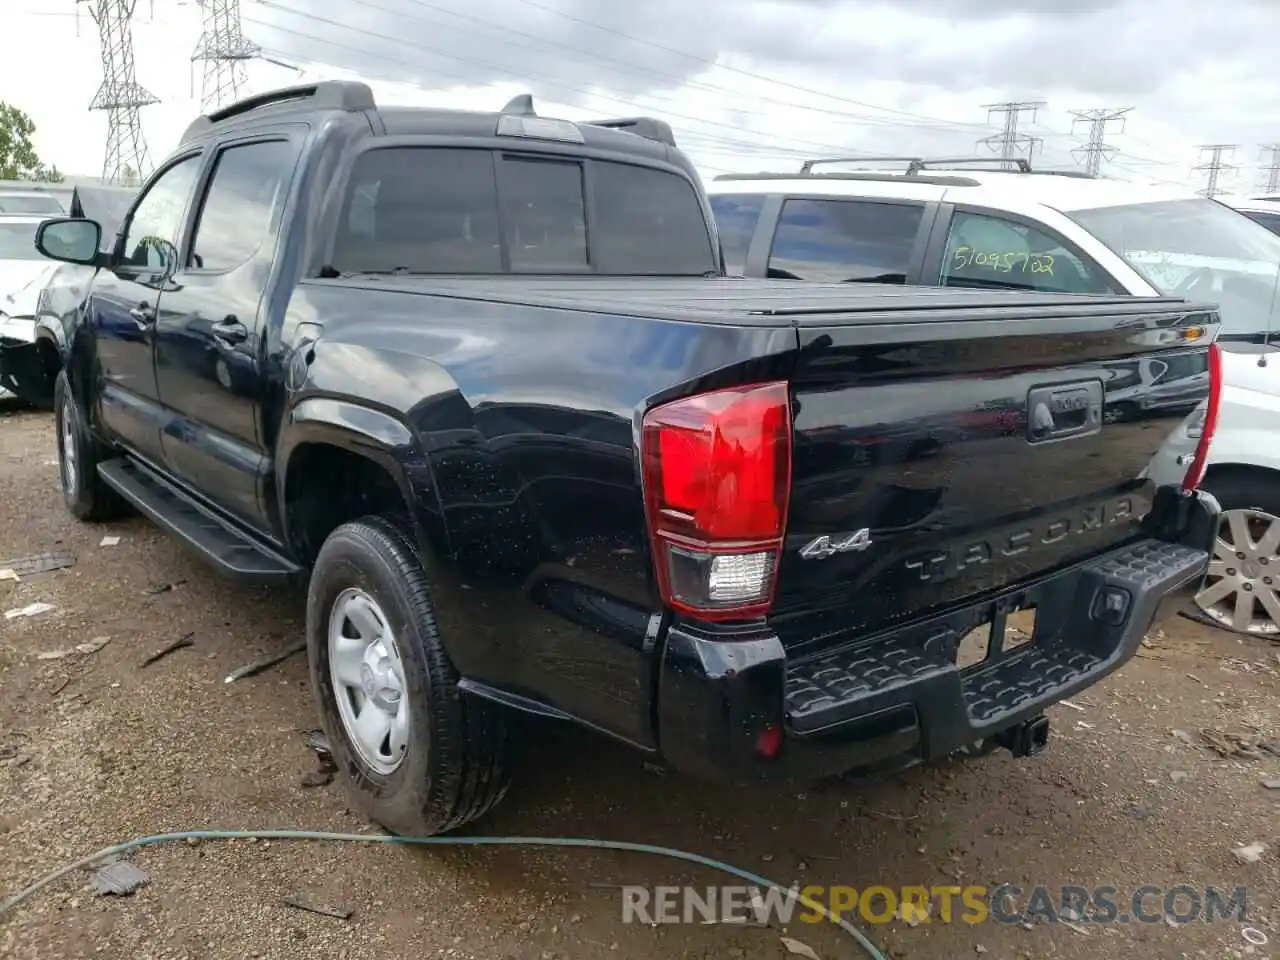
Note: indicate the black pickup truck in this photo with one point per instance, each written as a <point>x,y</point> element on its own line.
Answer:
<point>480,380</point>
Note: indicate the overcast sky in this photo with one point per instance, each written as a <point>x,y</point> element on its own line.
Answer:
<point>747,84</point>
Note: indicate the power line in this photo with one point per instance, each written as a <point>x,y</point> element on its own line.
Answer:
<point>120,95</point>
<point>224,50</point>
<point>721,66</point>
<point>1273,167</point>
<point>1009,139</point>
<point>1216,166</point>
<point>1095,149</point>
<point>416,67</point>
<point>640,68</point>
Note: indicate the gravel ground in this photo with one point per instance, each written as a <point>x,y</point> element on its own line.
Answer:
<point>96,749</point>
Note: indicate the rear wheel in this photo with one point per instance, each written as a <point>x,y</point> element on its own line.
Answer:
<point>420,757</point>
<point>85,493</point>
<point>1242,590</point>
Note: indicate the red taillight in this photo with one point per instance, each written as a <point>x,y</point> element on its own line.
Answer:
<point>1195,473</point>
<point>717,480</point>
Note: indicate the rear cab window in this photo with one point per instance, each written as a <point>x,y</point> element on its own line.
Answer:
<point>447,210</point>
<point>845,241</point>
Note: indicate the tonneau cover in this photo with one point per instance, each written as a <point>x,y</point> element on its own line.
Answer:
<point>741,301</point>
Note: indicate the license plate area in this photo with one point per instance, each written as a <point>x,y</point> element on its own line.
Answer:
<point>1007,632</point>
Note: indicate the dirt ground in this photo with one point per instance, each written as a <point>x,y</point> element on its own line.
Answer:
<point>96,749</point>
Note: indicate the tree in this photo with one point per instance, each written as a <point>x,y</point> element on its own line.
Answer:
<point>18,159</point>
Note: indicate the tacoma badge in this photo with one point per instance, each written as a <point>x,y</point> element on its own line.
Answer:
<point>829,545</point>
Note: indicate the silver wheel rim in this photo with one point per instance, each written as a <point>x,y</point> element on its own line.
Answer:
<point>368,680</point>
<point>68,449</point>
<point>1240,592</point>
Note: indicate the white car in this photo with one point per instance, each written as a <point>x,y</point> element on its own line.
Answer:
<point>23,275</point>
<point>944,224</point>
<point>20,200</point>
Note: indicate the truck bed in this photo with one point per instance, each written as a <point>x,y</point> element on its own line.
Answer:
<point>771,303</point>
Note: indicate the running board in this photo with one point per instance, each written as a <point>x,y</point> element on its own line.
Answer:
<point>227,549</point>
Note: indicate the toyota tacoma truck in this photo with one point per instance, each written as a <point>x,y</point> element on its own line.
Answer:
<point>479,380</point>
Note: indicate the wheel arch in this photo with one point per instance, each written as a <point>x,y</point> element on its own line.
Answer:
<point>339,460</point>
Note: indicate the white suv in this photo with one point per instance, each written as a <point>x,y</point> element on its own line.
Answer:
<point>942,224</point>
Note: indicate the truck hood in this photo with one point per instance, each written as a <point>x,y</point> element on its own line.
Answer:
<point>20,284</point>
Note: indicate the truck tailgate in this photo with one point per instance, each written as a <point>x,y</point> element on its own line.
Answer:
<point>947,460</point>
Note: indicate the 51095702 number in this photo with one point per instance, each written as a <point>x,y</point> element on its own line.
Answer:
<point>1002,262</point>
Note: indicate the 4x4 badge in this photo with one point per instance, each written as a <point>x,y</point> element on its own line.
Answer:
<point>828,545</point>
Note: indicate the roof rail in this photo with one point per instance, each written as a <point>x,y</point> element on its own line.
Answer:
<point>807,167</point>
<point>940,180</point>
<point>916,164</point>
<point>1075,174</point>
<point>1021,163</point>
<point>645,127</point>
<point>350,96</point>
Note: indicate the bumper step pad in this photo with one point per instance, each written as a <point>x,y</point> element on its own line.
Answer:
<point>1089,620</point>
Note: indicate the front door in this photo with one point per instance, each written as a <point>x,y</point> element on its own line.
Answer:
<point>123,305</point>
<point>209,335</point>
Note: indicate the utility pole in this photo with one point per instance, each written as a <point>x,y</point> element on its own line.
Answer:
<point>1273,167</point>
<point>1009,140</point>
<point>1216,166</point>
<point>1096,149</point>
<point>120,95</point>
<point>224,50</point>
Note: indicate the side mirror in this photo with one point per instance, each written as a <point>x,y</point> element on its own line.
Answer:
<point>71,241</point>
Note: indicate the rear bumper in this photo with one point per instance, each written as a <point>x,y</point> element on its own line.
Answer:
<point>899,698</point>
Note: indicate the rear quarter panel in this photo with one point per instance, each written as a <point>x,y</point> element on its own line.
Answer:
<point>522,429</point>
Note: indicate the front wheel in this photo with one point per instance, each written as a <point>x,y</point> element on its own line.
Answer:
<point>420,758</point>
<point>85,493</point>
<point>1242,590</point>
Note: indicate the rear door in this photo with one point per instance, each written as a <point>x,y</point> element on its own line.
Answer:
<point>863,240</point>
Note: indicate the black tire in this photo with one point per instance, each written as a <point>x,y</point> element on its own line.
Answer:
<point>85,493</point>
<point>1239,489</point>
<point>456,766</point>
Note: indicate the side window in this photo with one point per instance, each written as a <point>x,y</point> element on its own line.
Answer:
<point>1269,220</point>
<point>420,210</point>
<point>544,214</point>
<point>247,186</point>
<point>736,219</point>
<point>647,221</point>
<point>151,242</point>
<point>989,251</point>
<point>845,240</point>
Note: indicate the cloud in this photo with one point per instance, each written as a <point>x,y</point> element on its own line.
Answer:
<point>747,83</point>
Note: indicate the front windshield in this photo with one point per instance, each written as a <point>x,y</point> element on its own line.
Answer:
<point>18,241</point>
<point>1201,250</point>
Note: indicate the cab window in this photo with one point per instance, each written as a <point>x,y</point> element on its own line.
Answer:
<point>151,239</point>
<point>993,252</point>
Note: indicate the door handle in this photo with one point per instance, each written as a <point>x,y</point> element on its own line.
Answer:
<point>230,331</point>
<point>143,315</point>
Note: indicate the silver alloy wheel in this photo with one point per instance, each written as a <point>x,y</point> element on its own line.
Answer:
<point>1241,592</point>
<point>368,680</point>
<point>69,466</point>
